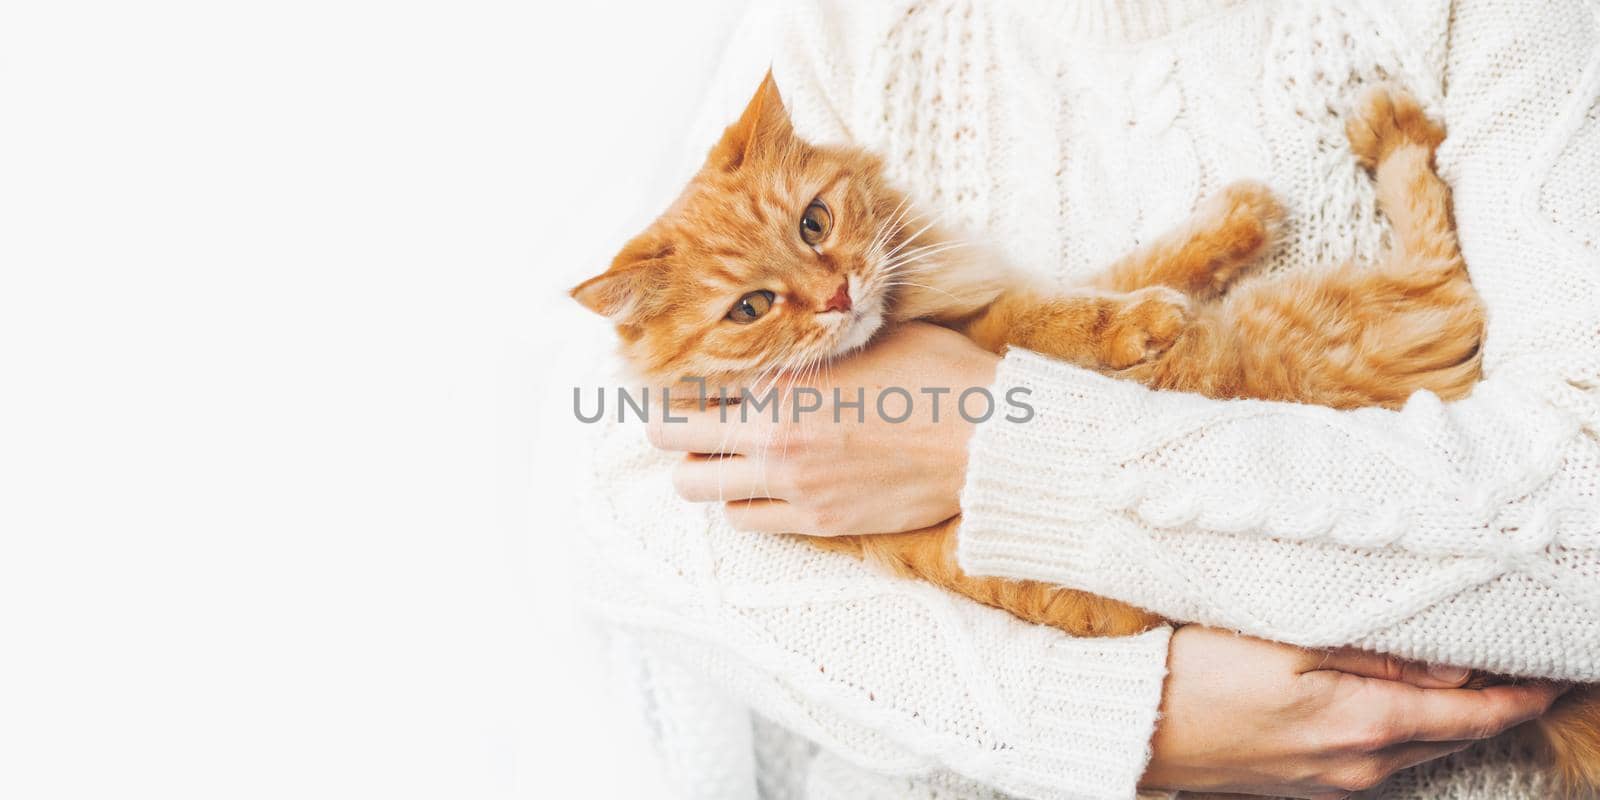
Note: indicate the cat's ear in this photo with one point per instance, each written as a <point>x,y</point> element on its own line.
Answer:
<point>615,294</point>
<point>763,125</point>
<point>623,292</point>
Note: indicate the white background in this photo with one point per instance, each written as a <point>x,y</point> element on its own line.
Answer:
<point>283,398</point>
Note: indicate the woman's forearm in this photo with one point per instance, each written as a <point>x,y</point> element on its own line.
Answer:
<point>1431,532</point>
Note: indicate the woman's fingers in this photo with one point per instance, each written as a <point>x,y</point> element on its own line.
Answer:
<point>720,479</point>
<point>766,516</point>
<point>1369,771</point>
<point>1376,665</point>
<point>720,429</point>
<point>1446,715</point>
<point>752,501</point>
<point>1408,755</point>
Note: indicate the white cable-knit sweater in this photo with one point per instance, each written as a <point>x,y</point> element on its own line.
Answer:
<point>1064,133</point>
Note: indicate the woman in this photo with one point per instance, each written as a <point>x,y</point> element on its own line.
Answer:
<point>1063,133</point>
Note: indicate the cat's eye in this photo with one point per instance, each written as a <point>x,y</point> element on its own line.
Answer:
<point>751,306</point>
<point>815,223</point>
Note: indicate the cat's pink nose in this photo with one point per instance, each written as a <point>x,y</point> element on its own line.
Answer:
<point>840,300</point>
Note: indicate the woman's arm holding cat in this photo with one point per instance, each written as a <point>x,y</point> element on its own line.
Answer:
<point>1467,533</point>
<point>909,680</point>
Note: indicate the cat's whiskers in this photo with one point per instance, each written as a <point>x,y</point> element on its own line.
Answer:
<point>884,256</point>
<point>922,259</point>
<point>925,286</point>
<point>909,263</point>
<point>922,252</point>
<point>901,256</point>
<point>901,209</point>
<point>913,237</point>
<point>787,359</point>
<point>888,228</point>
<point>797,374</point>
<point>797,381</point>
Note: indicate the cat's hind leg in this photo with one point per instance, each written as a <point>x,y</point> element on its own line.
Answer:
<point>1393,138</point>
<point>1217,244</point>
<point>1360,334</point>
<point>1423,279</point>
<point>929,554</point>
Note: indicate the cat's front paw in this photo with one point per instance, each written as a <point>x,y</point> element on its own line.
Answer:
<point>1247,222</point>
<point>1144,325</point>
<point>1386,119</point>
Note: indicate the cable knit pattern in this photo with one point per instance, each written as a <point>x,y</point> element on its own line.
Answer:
<point>1466,533</point>
<point>1064,133</point>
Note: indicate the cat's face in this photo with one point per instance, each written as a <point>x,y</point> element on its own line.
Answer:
<point>778,255</point>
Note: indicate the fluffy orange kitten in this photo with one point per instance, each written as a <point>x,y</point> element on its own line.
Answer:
<point>780,254</point>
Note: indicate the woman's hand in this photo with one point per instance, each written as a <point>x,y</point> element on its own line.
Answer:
<point>1241,715</point>
<point>842,469</point>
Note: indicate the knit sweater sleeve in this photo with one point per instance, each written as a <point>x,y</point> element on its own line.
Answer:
<point>1466,532</point>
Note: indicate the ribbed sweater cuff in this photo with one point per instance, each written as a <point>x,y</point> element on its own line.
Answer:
<point>1030,508</point>
<point>1093,715</point>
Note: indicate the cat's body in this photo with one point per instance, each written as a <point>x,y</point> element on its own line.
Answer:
<point>816,253</point>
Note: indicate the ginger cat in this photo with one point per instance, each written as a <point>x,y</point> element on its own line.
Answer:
<point>780,254</point>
